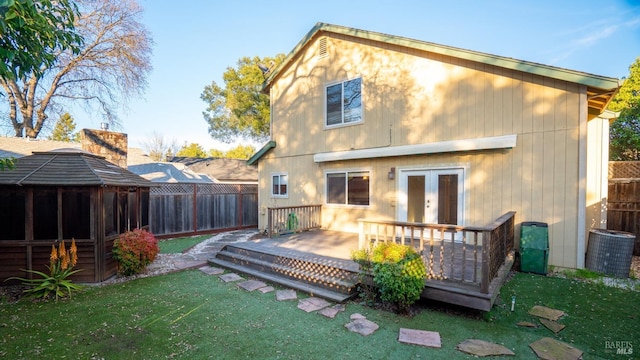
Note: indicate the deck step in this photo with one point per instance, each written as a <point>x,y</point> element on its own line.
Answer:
<point>329,278</point>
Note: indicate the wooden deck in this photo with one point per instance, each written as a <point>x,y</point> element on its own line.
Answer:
<point>445,262</point>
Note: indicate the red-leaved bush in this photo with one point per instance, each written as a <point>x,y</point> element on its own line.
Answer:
<point>134,250</point>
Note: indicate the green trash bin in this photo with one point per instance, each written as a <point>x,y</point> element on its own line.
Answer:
<point>534,247</point>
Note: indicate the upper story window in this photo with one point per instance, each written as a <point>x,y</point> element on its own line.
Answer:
<point>344,102</point>
<point>348,188</point>
<point>279,185</point>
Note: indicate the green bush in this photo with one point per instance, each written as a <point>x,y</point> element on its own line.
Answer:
<point>398,273</point>
<point>134,250</point>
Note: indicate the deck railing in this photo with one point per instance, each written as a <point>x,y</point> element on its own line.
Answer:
<point>467,254</point>
<point>290,219</point>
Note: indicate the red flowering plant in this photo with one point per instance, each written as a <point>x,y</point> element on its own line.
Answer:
<point>56,283</point>
<point>134,250</point>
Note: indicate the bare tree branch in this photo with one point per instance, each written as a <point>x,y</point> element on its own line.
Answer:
<point>111,68</point>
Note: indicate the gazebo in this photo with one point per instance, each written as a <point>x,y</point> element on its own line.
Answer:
<point>67,194</point>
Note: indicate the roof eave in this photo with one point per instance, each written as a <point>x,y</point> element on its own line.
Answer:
<point>589,80</point>
<point>268,146</point>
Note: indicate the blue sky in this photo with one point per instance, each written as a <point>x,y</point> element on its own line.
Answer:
<point>197,40</point>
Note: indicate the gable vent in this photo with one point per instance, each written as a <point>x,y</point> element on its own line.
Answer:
<point>322,47</point>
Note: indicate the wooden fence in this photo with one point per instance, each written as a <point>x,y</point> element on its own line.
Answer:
<point>190,209</point>
<point>623,208</point>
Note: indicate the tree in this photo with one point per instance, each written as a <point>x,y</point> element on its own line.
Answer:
<point>158,148</point>
<point>240,152</point>
<point>64,129</point>
<point>239,110</point>
<point>110,67</point>
<point>193,150</point>
<point>624,134</point>
<point>32,33</point>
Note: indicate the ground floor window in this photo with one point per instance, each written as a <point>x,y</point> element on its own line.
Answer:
<point>279,184</point>
<point>348,187</point>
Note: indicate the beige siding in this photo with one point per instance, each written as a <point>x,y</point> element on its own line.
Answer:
<point>414,97</point>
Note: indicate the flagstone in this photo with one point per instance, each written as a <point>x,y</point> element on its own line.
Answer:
<point>552,325</point>
<point>551,349</point>
<point>357,316</point>
<point>527,324</point>
<point>545,312</point>
<point>266,289</point>
<point>210,270</point>
<point>251,285</point>
<point>332,311</point>
<point>363,327</point>
<point>231,277</point>
<point>483,348</point>
<point>282,295</point>
<point>312,304</point>
<point>420,337</point>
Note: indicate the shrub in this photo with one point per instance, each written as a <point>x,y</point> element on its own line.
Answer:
<point>398,273</point>
<point>134,250</point>
<point>366,289</point>
<point>56,283</point>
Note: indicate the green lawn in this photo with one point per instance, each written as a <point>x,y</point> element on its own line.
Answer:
<point>180,245</point>
<point>191,315</point>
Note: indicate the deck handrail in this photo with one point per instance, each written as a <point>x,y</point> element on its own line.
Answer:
<point>468,254</point>
<point>289,219</point>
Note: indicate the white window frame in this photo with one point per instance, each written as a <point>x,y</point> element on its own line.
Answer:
<point>280,175</point>
<point>346,172</point>
<point>342,122</point>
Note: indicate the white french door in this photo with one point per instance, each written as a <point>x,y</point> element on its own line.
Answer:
<point>434,196</point>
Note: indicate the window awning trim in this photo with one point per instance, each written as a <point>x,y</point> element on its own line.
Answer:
<point>486,143</point>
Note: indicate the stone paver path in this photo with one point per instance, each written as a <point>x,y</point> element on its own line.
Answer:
<point>546,313</point>
<point>361,325</point>
<point>266,289</point>
<point>312,304</point>
<point>332,311</point>
<point>483,348</point>
<point>420,337</point>
<point>282,295</point>
<point>251,285</point>
<point>210,270</point>
<point>552,349</point>
<point>230,277</point>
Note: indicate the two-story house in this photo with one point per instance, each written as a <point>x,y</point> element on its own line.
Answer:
<point>370,125</point>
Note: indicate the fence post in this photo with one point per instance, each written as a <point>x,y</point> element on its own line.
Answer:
<point>486,258</point>
<point>269,222</point>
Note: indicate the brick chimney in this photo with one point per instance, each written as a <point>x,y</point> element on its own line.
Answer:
<point>111,145</point>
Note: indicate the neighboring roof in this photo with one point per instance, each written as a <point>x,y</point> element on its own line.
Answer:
<point>69,167</point>
<point>18,147</point>
<point>220,169</point>
<point>255,157</point>
<point>162,172</point>
<point>600,89</point>
<point>137,156</point>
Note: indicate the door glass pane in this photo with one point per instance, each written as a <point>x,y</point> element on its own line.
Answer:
<point>448,199</point>
<point>415,200</point>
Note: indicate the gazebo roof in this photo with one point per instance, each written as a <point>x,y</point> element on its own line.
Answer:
<point>69,167</point>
